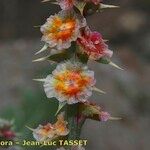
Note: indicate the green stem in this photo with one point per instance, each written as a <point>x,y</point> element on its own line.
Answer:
<point>71,113</point>
<point>75,127</point>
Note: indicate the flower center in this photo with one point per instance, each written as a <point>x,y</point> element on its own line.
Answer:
<point>62,29</point>
<point>71,83</point>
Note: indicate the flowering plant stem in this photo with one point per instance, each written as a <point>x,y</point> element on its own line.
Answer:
<point>72,44</point>
<point>72,112</point>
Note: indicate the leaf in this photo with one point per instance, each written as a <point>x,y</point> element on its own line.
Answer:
<point>52,2</point>
<point>54,58</point>
<point>42,50</point>
<point>80,6</point>
<point>45,1</point>
<point>114,65</point>
<point>40,59</point>
<point>61,105</point>
<point>105,6</point>
<point>106,61</point>
<point>83,58</point>
<point>59,57</point>
<point>98,90</point>
<point>90,8</point>
<point>30,128</point>
<point>37,26</point>
<point>115,118</point>
<point>103,61</point>
<point>39,80</point>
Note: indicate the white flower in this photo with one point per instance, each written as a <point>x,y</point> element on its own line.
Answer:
<point>61,29</point>
<point>71,82</point>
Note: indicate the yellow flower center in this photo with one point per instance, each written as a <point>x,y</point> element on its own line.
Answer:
<point>61,29</point>
<point>70,83</point>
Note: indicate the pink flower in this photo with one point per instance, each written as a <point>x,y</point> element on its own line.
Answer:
<point>104,116</point>
<point>8,134</point>
<point>93,45</point>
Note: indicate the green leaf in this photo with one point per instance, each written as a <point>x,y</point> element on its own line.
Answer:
<point>114,65</point>
<point>45,1</point>
<point>103,61</point>
<point>83,58</point>
<point>80,6</point>
<point>105,6</point>
<point>51,1</point>
<point>106,61</point>
<point>99,90</point>
<point>41,59</point>
<point>60,56</point>
<point>66,54</point>
<point>90,8</point>
<point>45,47</point>
<point>61,105</point>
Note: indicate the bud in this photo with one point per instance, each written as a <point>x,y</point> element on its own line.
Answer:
<point>104,116</point>
<point>8,134</point>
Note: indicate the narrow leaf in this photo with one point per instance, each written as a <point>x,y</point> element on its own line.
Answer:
<point>83,58</point>
<point>115,118</point>
<point>41,59</point>
<point>45,1</point>
<point>42,50</point>
<point>61,105</point>
<point>103,61</point>
<point>105,6</point>
<point>52,2</point>
<point>60,56</point>
<point>80,5</point>
<point>98,90</point>
<point>30,128</point>
<point>107,61</point>
<point>114,65</point>
<point>37,26</point>
<point>55,3</point>
<point>39,80</point>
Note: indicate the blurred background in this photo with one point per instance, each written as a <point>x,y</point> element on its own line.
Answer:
<point>128,91</point>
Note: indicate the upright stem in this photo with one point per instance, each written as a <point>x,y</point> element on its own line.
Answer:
<point>72,112</point>
<point>74,122</point>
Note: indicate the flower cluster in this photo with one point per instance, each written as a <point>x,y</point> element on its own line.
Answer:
<point>71,82</point>
<point>67,26</point>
